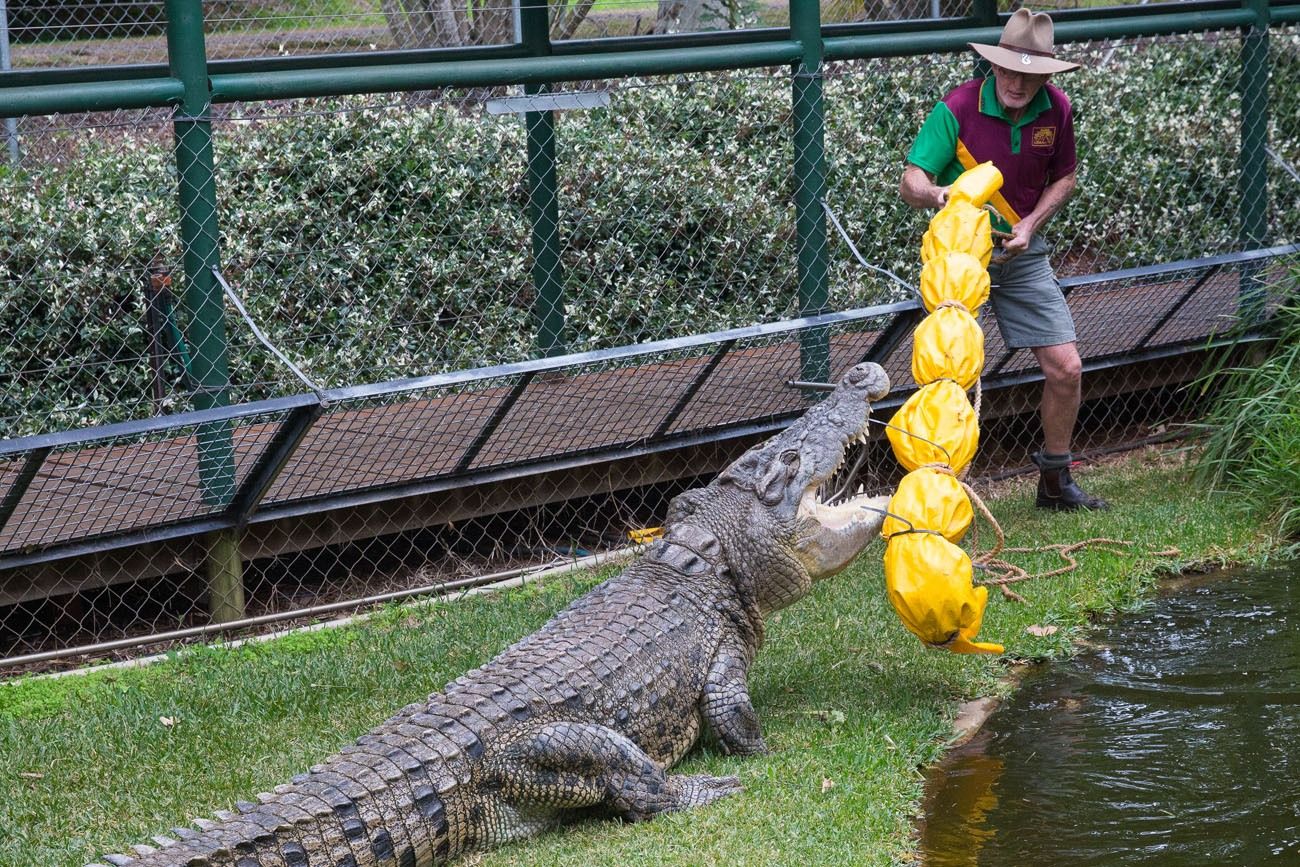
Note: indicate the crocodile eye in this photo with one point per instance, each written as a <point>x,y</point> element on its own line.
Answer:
<point>790,457</point>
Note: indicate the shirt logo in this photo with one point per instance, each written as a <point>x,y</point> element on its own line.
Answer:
<point>1044,136</point>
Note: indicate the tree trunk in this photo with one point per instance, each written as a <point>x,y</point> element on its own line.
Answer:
<point>405,24</point>
<point>568,18</point>
<point>445,23</point>
<point>670,14</point>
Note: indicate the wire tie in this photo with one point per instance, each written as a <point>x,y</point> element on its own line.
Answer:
<point>915,292</point>
<point>257,332</point>
<point>911,527</point>
<point>902,430</point>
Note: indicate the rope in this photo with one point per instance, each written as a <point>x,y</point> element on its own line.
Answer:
<point>1009,573</point>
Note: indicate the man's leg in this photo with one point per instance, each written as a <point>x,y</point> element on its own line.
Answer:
<point>1062,378</point>
<point>1063,373</point>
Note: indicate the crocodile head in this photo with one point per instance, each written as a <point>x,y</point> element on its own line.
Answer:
<point>787,477</point>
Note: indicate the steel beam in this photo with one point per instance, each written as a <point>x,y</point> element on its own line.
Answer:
<point>1178,304</point>
<point>1066,31</point>
<point>809,139</point>
<point>98,96</point>
<point>1253,162</point>
<point>543,191</point>
<point>894,333</point>
<point>691,390</point>
<point>494,421</point>
<point>292,84</point>
<point>26,474</point>
<point>288,436</point>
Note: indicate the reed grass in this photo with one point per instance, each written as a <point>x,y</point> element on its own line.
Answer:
<point>1252,432</point>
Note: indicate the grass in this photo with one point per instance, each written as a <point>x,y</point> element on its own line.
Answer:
<point>851,704</point>
<point>1253,430</point>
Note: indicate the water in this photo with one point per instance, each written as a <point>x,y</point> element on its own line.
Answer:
<point>1174,739</point>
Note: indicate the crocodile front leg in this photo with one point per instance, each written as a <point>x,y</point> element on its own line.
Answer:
<point>568,765</point>
<point>725,704</point>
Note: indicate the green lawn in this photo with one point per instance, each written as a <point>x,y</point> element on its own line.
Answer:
<point>851,704</point>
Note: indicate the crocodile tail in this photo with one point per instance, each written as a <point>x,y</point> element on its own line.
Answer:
<point>298,830</point>
<point>378,803</point>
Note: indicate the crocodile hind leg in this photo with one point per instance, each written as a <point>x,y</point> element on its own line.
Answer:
<point>570,765</point>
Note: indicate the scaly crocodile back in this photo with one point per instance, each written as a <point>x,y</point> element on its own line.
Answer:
<point>630,655</point>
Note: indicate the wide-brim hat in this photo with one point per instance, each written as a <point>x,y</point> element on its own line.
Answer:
<point>1026,45</point>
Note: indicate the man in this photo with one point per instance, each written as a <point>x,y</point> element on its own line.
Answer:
<point>1026,127</point>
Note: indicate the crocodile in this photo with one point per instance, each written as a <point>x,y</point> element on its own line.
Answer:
<point>587,714</point>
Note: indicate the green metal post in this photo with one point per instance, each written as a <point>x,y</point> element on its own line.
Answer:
<point>225,571</point>
<point>205,327</point>
<point>985,13</point>
<point>1253,178</point>
<point>543,198</point>
<point>810,185</point>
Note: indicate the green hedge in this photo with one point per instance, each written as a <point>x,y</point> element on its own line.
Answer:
<point>392,241</point>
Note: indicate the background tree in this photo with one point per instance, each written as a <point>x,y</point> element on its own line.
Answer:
<point>449,23</point>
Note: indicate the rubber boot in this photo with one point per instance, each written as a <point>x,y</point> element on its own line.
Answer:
<point>1057,490</point>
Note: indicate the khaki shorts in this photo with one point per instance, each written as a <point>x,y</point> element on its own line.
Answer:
<point>1027,300</point>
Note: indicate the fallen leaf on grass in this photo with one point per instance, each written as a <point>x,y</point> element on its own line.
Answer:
<point>830,717</point>
<point>31,775</point>
<point>167,721</point>
<point>827,784</point>
<point>1041,631</point>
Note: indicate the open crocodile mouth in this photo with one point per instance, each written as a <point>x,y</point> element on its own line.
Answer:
<point>837,500</point>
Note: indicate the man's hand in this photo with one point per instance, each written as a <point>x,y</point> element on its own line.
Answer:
<point>919,190</point>
<point>1021,233</point>
<point>1054,196</point>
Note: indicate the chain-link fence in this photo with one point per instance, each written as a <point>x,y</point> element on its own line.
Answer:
<point>389,341</point>
<point>69,33</point>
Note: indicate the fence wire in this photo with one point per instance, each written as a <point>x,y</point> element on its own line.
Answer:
<point>70,33</point>
<point>393,247</point>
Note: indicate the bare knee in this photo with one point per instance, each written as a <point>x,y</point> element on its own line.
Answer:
<point>1062,367</point>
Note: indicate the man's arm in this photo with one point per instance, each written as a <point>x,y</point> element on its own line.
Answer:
<point>919,190</point>
<point>1054,197</point>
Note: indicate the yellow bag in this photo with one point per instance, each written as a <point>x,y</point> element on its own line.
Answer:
<point>961,228</point>
<point>948,344</point>
<point>939,412</point>
<point>929,499</point>
<point>976,185</point>
<point>955,276</point>
<point>928,581</point>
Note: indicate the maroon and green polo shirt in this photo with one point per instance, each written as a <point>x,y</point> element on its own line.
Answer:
<point>969,127</point>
